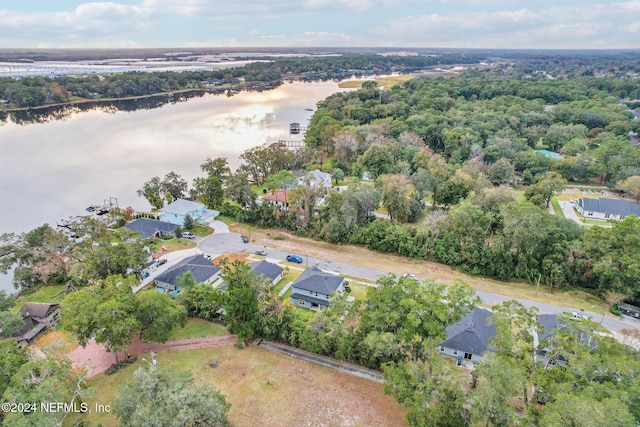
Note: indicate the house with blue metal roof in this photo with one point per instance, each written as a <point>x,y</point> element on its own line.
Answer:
<point>178,210</point>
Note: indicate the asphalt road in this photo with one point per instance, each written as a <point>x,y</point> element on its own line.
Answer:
<point>220,243</point>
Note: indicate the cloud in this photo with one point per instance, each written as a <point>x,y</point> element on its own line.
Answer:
<point>83,23</point>
<point>214,9</point>
<point>575,26</point>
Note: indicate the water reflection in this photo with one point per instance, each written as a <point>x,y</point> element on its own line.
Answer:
<point>55,167</point>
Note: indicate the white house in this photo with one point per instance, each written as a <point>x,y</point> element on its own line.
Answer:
<point>316,178</point>
<point>176,212</point>
<point>603,208</point>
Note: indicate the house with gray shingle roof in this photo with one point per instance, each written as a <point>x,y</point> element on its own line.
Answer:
<point>604,208</point>
<point>151,227</point>
<point>470,337</point>
<point>201,269</point>
<point>268,270</point>
<point>314,287</point>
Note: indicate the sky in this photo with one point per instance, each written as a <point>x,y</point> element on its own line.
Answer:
<point>531,24</point>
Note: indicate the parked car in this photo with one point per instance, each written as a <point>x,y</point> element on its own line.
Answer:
<point>160,261</point>
<point>188,235</point>
<point>261,252</point>
<point>410,276</point>
<point>294,258</point>
<point>245,239</point>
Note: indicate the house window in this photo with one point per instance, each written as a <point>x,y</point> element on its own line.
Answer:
<point>468,356</point>
<point>441,349</point>
<point>455,351</point>
<point>607,215</point>
<point>314,305</point>
<point>590,213</point>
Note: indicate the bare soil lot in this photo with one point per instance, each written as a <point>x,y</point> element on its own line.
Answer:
<point>268,389</point>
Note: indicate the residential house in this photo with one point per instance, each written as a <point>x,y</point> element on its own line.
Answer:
<point>469,338</point>
<point>268,270</point>
<point>37,317</point>
<point>314,287</point>
<point>176,212</point>
<point>278,198</point>
<point>202,270</point>
<point>316,178</point>
<point>604,208</point>
<point>151,227</point>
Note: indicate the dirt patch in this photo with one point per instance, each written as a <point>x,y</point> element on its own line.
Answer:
<point>268,389</point>
<point>355,255</point>
<point>232,256</point>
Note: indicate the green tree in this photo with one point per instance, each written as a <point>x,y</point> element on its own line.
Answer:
<point>188,222</point>
<point>377,160</point>
<point>416,313</point>
<point>630,186</point>
<point>12,358</point>
<point>498,382</point>
<point>152,190</point>
<point>283,180</point>
<point>106,312</point>
<point>6,301</point>
<point>158,314</point>
<point>238,189</point>
<point>514,338</point>
<point>545,188</point>
<point>169,398</point>
<point>501,172</point>
<point>397,195</point>
<point>338,175</point>
<point>44,380</point>
<point>429,391</point>
<point>107,260</point>
<point>241,302</point>
<point>10,323</point>
<point>584,411</point>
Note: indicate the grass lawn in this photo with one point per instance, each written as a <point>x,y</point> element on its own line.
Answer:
<point>289,276</point>
<point>556,207</point>
<point>173,244</point>
<point>265,389</point>
<point>358,291</point>
<point>202,230</point>
<point>42,294</point>
<point>198,328</point>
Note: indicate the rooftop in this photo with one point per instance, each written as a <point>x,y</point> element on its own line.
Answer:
<point>201,269</point>
<point>611,206</point>
<point>315,280</point>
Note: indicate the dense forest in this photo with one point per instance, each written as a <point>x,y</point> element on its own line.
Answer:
<point>39,91</point>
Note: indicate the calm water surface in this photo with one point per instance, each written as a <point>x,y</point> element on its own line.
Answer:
<point>49,171</point>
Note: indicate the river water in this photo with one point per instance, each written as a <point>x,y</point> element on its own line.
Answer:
<point>51,170</point>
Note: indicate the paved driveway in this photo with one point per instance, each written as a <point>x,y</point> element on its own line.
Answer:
<point>569,212</point>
